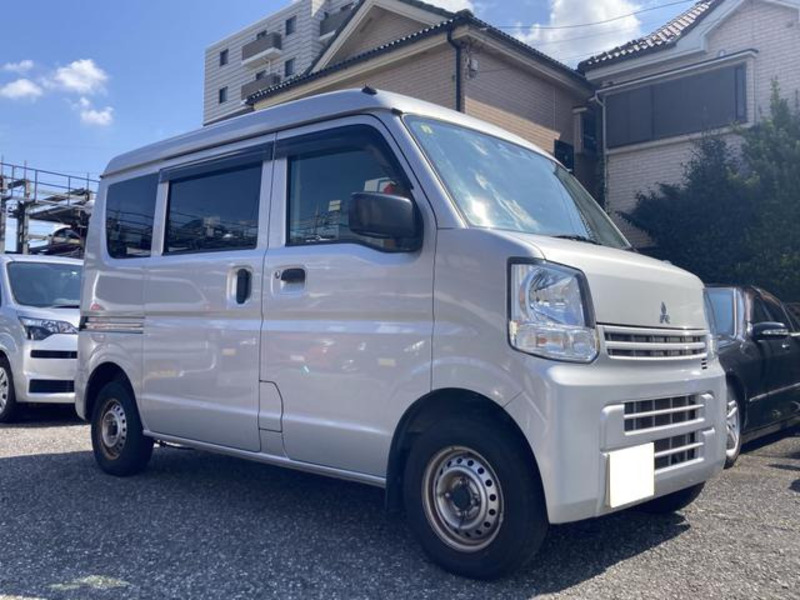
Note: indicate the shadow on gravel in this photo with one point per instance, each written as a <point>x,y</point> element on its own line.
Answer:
<point>31,416</point>
<point>197,525</point>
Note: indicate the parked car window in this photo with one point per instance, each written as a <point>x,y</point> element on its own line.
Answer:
<point>321,183</point>
<point>760,313</point>
<point>500,185</point>
<point>776,310</point>
<point>214,211</point>
<point>130,207</point>
<point>45,285</point>
<point>723,310</point>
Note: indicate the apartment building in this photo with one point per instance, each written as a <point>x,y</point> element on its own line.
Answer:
<point>275,49</point>
<point>708,70</point>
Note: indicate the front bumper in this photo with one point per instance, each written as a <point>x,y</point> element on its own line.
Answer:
<point>45,370</point>
<point>574,416</point>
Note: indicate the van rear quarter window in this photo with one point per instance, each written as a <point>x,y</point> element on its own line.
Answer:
<point>214,211</point>
<point>130,207</point>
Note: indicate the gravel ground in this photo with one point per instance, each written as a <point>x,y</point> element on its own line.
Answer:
<point>199,526</point>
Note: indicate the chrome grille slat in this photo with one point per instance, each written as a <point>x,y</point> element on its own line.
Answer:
<point>644,415</point>
<point>643,343</point>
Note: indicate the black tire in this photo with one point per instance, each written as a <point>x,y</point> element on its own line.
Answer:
<point>8,408</point>
<point>121,454</point>
<point>732,453</point>
<point>520,524</point>
<point>672,502</point>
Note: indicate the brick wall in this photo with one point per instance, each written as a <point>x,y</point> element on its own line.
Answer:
<point>774,32</point>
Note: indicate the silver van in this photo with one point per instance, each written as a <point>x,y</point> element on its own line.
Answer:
<point>39,300</point>
<point>375,288</point>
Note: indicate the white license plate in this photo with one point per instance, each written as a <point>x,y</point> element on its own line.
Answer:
<point>631,474</point>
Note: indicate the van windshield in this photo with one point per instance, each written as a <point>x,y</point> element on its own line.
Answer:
<point>500,185</point>
<point>45,285</point>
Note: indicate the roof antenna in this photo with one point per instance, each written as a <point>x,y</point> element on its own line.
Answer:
<point>369,90</point>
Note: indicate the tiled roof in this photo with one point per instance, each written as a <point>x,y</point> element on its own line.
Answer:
<point>662,38</point>
<point>463,17</point>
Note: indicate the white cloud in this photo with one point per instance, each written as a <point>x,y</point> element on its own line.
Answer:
<point>21,89</point>
<point>93,116</point>
<point>20,67</point>
<point>80,76</point>
<point>453,5</point>
<point>573,44</point>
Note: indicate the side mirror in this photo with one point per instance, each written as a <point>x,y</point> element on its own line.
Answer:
<point>384,216</point>
<point>770,330</point>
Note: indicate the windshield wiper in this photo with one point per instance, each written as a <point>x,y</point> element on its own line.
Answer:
<point>66,306</point>
<point>578,238</point>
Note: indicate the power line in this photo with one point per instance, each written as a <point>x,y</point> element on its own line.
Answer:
<point>618,18</point>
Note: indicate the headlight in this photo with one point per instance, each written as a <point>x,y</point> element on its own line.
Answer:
<point>40,329</point>
<point>551,312</point>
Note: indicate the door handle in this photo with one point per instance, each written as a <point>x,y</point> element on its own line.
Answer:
<point>244,285</point>
<point>293,276</point>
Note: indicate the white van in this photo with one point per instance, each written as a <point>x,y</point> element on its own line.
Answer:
<point>39,299</point>
<point>371,287</point>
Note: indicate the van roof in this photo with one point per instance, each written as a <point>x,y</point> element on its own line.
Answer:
<point>293,114</point>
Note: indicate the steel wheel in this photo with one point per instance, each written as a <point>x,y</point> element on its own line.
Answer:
<point>114,429</point>
<point>462,499</point>
<point>734,426</point>
<point>5,387</point>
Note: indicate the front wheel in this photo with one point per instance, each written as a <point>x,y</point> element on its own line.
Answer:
<point>474,499</point>
<point>733,422</point>
<point>8,401</point>
<point>119,444</point>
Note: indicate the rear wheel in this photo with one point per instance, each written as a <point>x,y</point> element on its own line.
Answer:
<point>8,399</point>
<point>733,421</point>
<point>119,444</point>
<point>672,502</point>
<point>474,498</point>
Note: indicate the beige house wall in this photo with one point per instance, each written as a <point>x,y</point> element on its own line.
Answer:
<point>774,32</point>
<point>428,75</point>
<point>380,26</point>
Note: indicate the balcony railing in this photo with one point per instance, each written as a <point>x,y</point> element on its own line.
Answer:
<point>252,87</point>
<point>262,50</point>
<point>332,22</point>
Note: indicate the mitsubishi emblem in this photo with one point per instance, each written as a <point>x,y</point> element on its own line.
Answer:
<point>664,314</point>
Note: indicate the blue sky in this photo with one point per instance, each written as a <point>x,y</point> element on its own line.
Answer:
<point>83,81</point>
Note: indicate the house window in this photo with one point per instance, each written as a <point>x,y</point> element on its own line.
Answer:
<point>691,104</point>
<point>288,68</point>
<point>223,95</point>
<point>130,209</point>
<point>291,25</point>
<point>223,58</point>
<point>565,154</point>
<point>260,75</point>
<point>214,210</point>
<point>261,34</point>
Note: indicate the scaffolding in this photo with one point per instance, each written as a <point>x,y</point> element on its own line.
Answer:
<point>34,195</point>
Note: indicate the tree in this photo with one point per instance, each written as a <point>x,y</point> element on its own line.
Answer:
<point>735,216</point>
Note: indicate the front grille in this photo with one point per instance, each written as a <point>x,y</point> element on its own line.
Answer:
<point>66,354</point>
<point>678,449</point>
<point>639,343</point>
<point>51,386</point>
<point>641,415</point>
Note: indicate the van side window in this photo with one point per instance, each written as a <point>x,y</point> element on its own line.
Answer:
<point>324,171</point>
<point>214,211</point>
<point>130,207</point>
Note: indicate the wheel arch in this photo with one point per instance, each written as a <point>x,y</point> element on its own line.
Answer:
<point>424,413</point>
<point>101,375</point>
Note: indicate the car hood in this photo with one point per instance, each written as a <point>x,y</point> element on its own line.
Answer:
<point>628,288</point>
